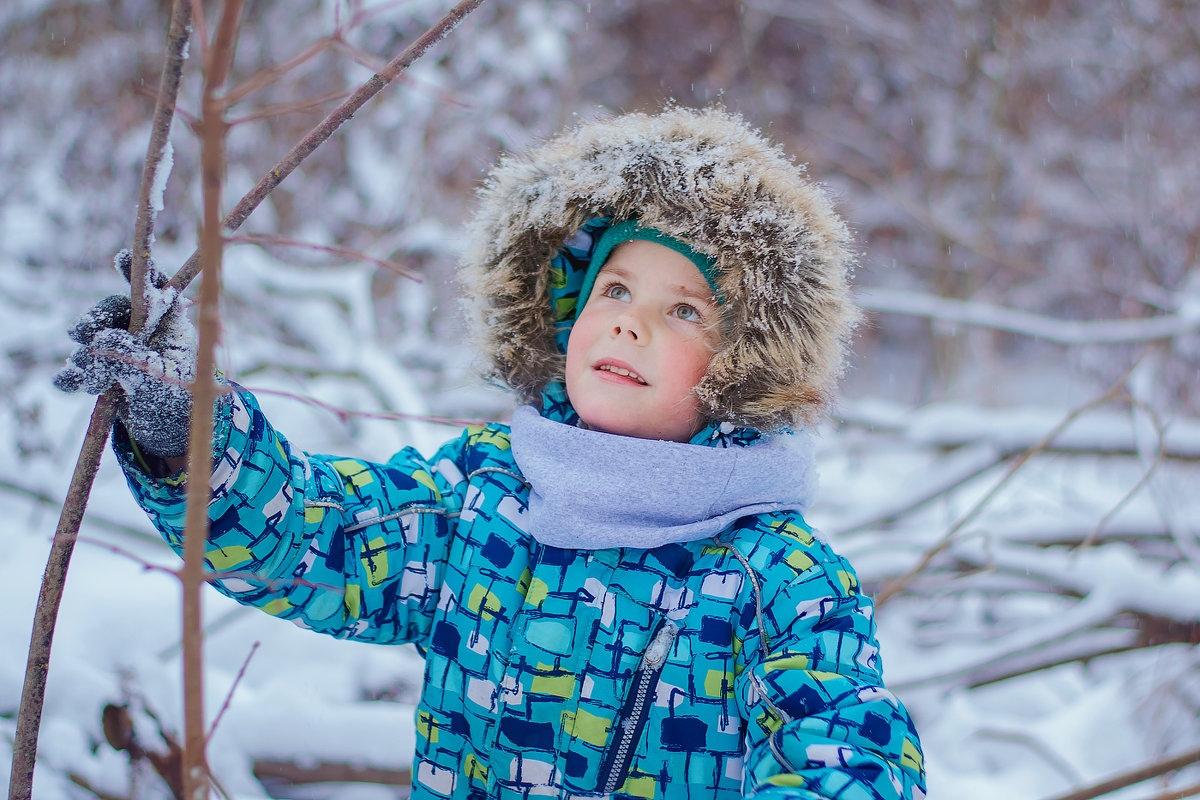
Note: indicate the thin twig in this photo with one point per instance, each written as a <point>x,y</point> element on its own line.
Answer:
<point>977,464</point>
<point>86,785</point>
<point>1134,776</point>
<point>1179,794</point>
<point>270,75</point>
<point>200,22</point>
<point>356,255</point>
<point>149,566</point>
<point>270,584</point>
<point>344,414</point>
<point>976,681</point>
<point>33,692</point>
<point>1036,746</point>
<point>291,107</point>
<point>1160,433</point>
<point>326,128</point>
<point>98,521</point>
<point>266,77</point>
<point>233,688</point>
<point>359,56</point>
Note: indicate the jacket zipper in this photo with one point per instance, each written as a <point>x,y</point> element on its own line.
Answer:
<point>629,728</point>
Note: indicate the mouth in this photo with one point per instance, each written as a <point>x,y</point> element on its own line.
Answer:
<point>621,371</point>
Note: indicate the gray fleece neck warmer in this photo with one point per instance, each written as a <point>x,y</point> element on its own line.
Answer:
<point>593,490</point>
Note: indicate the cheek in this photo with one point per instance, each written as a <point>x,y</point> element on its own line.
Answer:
<point>583,335</point>
<point>690,360</point>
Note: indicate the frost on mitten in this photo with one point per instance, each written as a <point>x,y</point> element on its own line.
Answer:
<point>153,368</point>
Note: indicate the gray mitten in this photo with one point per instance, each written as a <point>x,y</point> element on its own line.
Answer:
<point>154,368</point>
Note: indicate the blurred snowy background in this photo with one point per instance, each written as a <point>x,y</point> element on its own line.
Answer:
<point>1022,176</point>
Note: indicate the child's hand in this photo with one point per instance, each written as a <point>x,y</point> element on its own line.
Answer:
<point>153,368</point>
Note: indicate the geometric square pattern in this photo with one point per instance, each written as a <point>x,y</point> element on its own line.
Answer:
<point>537,682</point>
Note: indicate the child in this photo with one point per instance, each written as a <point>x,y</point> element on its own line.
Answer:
<point>618,595</point>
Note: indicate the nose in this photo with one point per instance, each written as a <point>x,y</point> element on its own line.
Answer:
<point>619,329</point>
<point>627,324</point>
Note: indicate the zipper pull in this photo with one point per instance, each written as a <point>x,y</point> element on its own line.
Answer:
<point>656,653</point>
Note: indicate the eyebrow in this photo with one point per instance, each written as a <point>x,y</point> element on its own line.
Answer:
<point>709,297</point>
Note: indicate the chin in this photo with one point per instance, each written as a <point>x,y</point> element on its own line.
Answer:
<point>620,417</point>
<point>623,426</point>
<point>615,427</point>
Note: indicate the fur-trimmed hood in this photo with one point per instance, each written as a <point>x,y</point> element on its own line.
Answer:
<point>708,179</point>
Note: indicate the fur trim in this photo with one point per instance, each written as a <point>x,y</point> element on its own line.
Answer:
<point>708,179</point>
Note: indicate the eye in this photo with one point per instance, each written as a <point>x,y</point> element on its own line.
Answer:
<point>686,313</point>
<point>616,291</point>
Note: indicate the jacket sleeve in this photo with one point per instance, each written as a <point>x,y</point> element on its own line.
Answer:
<point>346,547</point>
<point>819,722</point>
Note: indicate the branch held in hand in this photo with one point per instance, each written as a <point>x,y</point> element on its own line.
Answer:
<point>33,692</point>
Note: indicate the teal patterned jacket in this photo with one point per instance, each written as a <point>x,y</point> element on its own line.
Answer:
<point>743,666</point>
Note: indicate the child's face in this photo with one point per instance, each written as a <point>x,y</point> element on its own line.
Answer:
<point>641,344</point>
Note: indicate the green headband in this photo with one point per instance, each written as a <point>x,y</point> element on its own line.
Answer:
<point>629,230</point>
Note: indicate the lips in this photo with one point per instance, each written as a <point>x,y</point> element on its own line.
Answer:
<point>620,370</point>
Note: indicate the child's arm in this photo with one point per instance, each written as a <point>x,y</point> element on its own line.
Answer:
<point>345,547</point>
<point>820,724</point>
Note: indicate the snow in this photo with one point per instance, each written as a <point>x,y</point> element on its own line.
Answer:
<point>947,312</point>
<point>166,162</point>
<point>1054,565</point>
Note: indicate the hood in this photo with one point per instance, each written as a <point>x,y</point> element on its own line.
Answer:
<point>701,176</point>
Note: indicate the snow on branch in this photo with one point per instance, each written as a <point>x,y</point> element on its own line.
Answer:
<point>1016,429</point>
<point>1023,323</point>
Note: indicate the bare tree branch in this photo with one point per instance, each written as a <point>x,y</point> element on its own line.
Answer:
<point>290,772</point>
<point>150,193</point>
<point>338,117</point>
<point>1134,776</point>
<point>266,77</point>
<point>968,465</point>
<point>1160,434</point>
<point>204,394</point>
<point>897,585</point>
<point>84,784</point>
<point>33,692</point>
<point>1012,430</point>
<point>1065,332</point>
